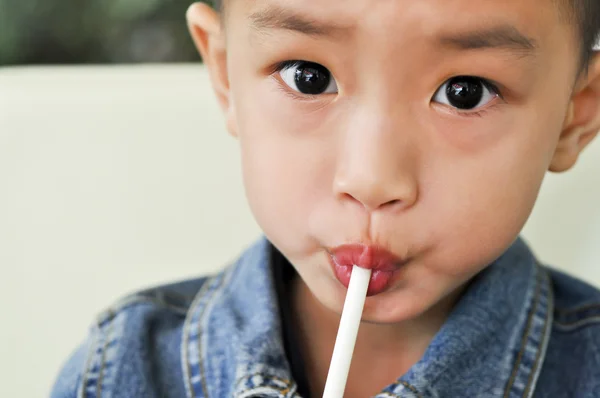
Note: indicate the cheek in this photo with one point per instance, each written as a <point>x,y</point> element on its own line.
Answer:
<point>285,170</point>
<point>483,192</point>
<point>481,219</point>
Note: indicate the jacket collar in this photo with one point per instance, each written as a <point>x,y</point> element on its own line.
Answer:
<point>493,343</point>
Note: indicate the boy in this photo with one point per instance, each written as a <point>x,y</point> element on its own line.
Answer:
<point>408,137</point>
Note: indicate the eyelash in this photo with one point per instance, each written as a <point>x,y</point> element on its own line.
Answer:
<point>284,65</point>
<point>493,87</point>
<point>290,93</point>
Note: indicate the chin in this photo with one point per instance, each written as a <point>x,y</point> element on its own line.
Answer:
<point>394,308</point>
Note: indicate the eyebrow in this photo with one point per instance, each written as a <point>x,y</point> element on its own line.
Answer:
<point>505,37</point>
<point>279,18</point>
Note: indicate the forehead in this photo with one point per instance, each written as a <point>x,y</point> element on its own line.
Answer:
<point>535,19</point>
<point>348,10</point>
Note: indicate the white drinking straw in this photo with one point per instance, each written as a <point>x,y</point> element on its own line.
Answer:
<point>347,331</point>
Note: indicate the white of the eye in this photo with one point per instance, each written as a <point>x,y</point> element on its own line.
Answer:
<point>288,75</point>
<point>442,97</point>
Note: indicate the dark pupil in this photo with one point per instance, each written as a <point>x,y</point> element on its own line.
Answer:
<point>464,92</point>
<point>312,78</point>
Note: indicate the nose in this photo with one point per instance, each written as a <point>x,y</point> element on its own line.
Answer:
<point>376,166</point>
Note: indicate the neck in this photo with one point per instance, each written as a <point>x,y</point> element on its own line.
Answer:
<point>383,352</point>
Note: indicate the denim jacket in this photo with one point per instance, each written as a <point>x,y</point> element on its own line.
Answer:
<point>520,330</point>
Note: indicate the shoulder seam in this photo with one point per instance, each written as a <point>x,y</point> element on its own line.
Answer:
<point>585,307</point>
<point>103,359</point>
<point>131,301</point>
<point>578,317</point>
<point>81,393</point>
<point>577,325</point>
<point>583,313</point>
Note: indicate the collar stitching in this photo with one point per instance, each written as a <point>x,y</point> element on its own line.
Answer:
<point>528,328</point>
<point>219,285</point>
<point>185,357</point>
<point>411,388</point>
<point>403,383</point>
<point>103,363</point>
<point>284,387</point>
<point>94,340</point>
<point>542,349</point>
<point>208,291</point>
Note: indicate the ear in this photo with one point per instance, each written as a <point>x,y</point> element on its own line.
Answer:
<point>582,123</point>
<point>206,29</point>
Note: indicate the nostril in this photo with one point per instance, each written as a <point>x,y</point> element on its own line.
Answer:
<point>391,203</point>
<point>349,197</point>
<point>372,206</point>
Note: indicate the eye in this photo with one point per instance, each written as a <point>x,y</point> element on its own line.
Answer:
<point>466,92</point>
<point>308,77</point>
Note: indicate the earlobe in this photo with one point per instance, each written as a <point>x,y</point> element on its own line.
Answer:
<point>582,123</point>
<point>205,27</point>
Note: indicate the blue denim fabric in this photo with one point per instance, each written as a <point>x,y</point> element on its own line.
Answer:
<point>520,330</point>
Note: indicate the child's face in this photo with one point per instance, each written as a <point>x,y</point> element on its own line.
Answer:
<point>379,154</point>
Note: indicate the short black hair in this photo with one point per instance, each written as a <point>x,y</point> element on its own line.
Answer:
<point>585,14</point>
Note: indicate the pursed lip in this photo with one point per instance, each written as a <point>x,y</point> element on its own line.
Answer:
<point>366,256</point>
<point>381,262</point>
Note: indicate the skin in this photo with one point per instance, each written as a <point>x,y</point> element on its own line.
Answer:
<point>381,162</point>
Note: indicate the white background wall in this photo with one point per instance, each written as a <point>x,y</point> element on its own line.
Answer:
<point>113,179</point>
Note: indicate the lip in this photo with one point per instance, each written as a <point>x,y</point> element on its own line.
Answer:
<point>383,264</point>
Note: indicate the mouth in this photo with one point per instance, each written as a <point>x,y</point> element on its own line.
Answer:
<point>382,263</point>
